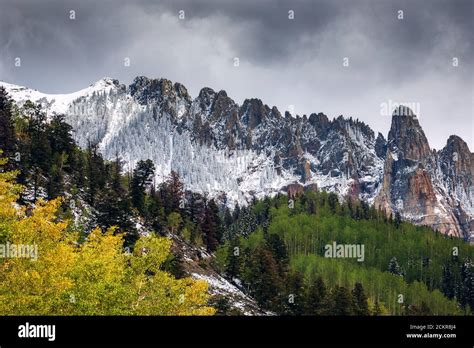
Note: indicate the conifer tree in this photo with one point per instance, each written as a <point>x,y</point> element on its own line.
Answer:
<point>156,211</point>
<point>316,298</point>
<point>234,259</point>
<point>39,153</point>
<point>448,282</point>
<point>361,306</point>
<point>59,135</point>
<point>211,226</point>
<point>343,304</point>
<point>95,173</point>
<point>55,185</point>
<point>141,181</point>
<point>333,202</point>
<point>295,294</point>
<point>278,249</point>
<point>173,193</point>
<point>398,220</point>
<point>113,204</point>
<point>394,267</point>
<point>8,142</point>
<point>263,280</point>
<point>197,208</point>
<point>467,278</point>
<point>236,212</point>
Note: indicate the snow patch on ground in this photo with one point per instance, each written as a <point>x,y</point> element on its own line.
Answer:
<point>220,286</point>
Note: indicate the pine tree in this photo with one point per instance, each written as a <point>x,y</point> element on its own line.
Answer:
<point>276,245</point>
<point>295,294</point>
<point>173,193</point>
<point>95,170</point>
<point>234,259</point>
<point>246,223</point>
<point>156,212</point>
<point>361,306</point>
<point>394,267</point>
<point>63,154</point>
<point>8,141</point>
<point>227,218</point>
<point>316,298</point>
<point>59,135</point>
<point>467,278</point>
<point>343,304</point>
<point>55,186</point>
<point>398,220</point>
<point>113,204</point>
<point>37,159</point>
<point>312,206</point>
<point>211,227</point>
<point>236,212</point>
<point>197,209</point>
<point>448,282</point>
<point>79,174</point>
<point>333,202</point>
<point>365,210</point>
<point>263,280</point>
<point>141,181</point>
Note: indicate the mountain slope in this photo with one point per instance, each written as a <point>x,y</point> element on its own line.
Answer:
<point>236,152</point>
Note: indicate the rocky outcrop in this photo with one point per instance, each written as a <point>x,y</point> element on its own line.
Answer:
<point>294,189</point>
<point>426,187</point>
<point>381,146</point>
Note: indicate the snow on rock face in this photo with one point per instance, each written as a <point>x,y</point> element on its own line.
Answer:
<point>238,152</point>
<point>221,286</point>
<point>57,103</point>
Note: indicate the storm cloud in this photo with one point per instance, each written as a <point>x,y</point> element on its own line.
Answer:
<point>293,63</point>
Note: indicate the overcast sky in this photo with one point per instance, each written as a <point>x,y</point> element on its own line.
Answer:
<point>291,63</point>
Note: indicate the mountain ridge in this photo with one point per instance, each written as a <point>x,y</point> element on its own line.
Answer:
<point>236,152</point>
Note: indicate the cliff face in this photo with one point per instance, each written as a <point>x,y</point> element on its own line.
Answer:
<point>251,150</point>
<point>424,186</point>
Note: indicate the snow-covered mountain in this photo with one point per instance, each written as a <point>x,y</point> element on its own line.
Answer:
<point>235,152</point>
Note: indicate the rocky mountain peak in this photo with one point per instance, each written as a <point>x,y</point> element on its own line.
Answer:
<point>222,107</point>
<point>276,113</point>
<point>146,90</point>
<point>406,137</point>
<point>403,110</point>
<point>458,148</point>
<point>319,119</point>
<point>456,162</point>
<point>206,97</point>
<point>253,112</point>
<point>181,91</point>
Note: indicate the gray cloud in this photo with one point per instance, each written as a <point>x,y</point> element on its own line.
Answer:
<point>284,62</point>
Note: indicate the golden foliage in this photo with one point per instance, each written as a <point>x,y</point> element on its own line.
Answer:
<point>95,277</point>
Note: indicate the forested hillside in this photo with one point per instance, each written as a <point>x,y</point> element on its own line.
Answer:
<point>103,246</point>
<point>406,270</point>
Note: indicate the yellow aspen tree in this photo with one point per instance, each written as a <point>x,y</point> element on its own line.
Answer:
<point>93,277</point>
